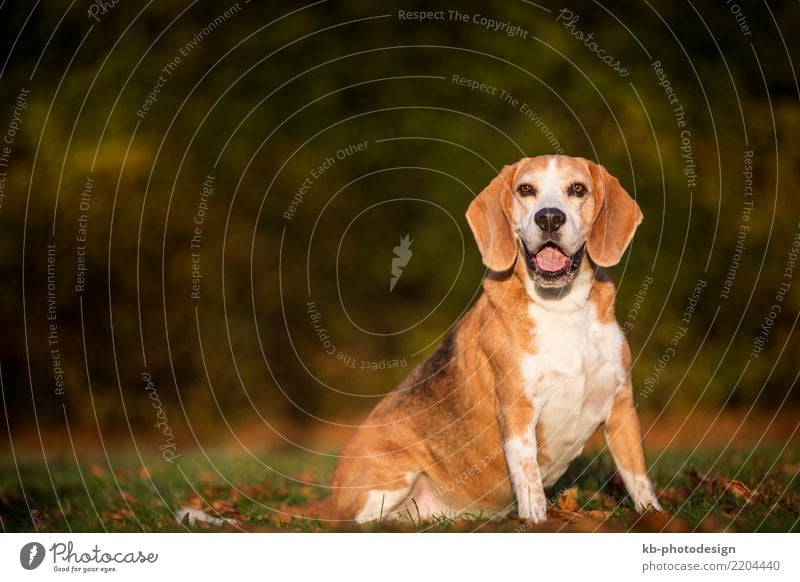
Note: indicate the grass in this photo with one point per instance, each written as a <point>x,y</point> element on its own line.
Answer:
<point>740,491</point>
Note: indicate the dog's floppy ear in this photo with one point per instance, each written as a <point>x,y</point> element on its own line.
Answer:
<point>616,216</point>
<point>488,218</point>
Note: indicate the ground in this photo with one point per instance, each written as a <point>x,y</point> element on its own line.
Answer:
<point>701,490</point>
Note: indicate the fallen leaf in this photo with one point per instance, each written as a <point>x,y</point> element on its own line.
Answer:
<point>568,500</point>
<point>564,515</point>
<point>128,497</point>
<point>38,518</point>
<point>740,490</point>
<point>118,515</point>
<point>122,474</point>
<point>698,477</point>
<point>598,514</point>
<point>304,477</point>
<point>223,506</point>
<point>791,468</point>
<point>674,495</point>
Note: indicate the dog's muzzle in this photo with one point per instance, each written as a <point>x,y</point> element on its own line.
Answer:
<point>551,263</point>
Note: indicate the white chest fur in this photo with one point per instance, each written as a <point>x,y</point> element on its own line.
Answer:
<point>571,376</point>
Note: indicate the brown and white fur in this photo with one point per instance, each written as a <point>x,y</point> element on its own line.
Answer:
<point>511,396</point>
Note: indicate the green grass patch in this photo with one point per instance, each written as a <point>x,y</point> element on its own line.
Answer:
<point>704,491</point>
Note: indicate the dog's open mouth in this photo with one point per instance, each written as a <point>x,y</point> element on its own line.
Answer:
<point>552,263</point>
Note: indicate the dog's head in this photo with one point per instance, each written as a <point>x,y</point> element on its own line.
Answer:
<point>550,210</point>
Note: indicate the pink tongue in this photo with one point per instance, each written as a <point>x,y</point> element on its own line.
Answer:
<point>551,259</point>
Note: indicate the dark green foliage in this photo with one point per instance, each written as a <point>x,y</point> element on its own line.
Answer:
<point>272,102</point>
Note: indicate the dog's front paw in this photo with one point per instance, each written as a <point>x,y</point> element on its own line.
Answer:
<point>535,511</point>
<point>644,498</point>
<point>539,513</point>
<point>650,505</point>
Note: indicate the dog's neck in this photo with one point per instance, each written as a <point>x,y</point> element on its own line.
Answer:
<point>571,297</point>
<point>517,284</point>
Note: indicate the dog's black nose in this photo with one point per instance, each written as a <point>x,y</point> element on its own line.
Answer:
<point>549,219</point>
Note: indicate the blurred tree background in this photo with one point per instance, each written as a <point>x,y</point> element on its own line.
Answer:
<point>264,104</point>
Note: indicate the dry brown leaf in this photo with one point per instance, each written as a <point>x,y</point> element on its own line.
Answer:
<point>791,502</point>
<point>791,468</point>
<point>674,495</point>
<point>128,497</point>
<point>207,476</point>
<point>563,514</point>
<point>122,474</point>
<point>38,518</point>
<point>740,490</point>
<point>223,506</point>
<point>597,514</point>
<point>568,500</point>
<point>698,477</point>
<point>120,515</point>
<point>195,502</point>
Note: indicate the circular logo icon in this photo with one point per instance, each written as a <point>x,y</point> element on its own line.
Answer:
<point>31,555</point>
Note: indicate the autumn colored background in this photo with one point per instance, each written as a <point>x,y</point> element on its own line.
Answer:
<point>201,201</point>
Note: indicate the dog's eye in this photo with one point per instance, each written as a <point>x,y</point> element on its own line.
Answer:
<point>576,189</point>
<point>526,190</point>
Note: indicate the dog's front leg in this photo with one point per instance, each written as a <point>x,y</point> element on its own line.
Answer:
<point>624,438</point>
<point>518,421</point>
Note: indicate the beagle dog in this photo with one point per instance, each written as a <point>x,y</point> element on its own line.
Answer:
<point>511,396</point>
